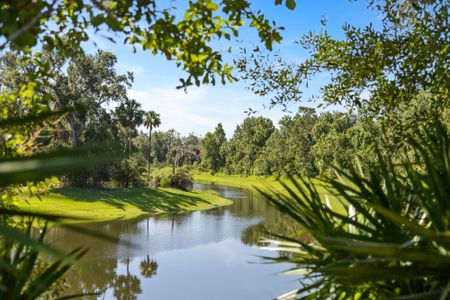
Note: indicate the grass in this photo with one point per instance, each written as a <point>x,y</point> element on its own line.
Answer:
<point>90,205</point>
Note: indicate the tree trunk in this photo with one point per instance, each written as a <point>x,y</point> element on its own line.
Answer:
<point>149,153</point>
<point>73,132</point>
<point>73,178</point>
<point>173,167</point>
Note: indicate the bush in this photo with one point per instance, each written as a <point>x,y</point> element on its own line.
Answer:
<point>127,173</point>
<point>165,182</point>
<point>182,180</point>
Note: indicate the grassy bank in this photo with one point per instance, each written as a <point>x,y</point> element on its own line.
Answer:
<point>238,181</point>
<point>109,204</point>
<point>224,179</point>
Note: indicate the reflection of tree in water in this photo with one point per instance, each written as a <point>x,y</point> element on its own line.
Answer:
<point>276,225</point>
<point>101,258</point>
<point>126,286</point>
<point>246,204</point>
<point>249,204</point>
<point>148,267</point>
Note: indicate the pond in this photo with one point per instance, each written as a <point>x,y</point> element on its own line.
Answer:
<point>210,254</point>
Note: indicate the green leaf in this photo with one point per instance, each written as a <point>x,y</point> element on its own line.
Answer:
<point>290,4</point>
<point>212,6</point>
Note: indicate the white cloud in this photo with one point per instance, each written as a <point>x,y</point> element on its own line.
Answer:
<point>201,109</point>
<point>178,109</point>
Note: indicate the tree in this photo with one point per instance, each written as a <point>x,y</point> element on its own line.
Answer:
<point>248,141</point>
<point>80,87</point>
<point>151,120</point>
<point>288,150</point>
<point>183,150</point>
<point>162,142</point>
<point>129,115</point>
<point>332,142</point>
<point>211,153</point>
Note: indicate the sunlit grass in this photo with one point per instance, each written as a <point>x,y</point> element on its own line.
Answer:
<point>110,204</point>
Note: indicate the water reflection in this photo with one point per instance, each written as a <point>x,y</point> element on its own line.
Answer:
<point>126,286</point>
<point>201,253</point>
<point>148,267</point>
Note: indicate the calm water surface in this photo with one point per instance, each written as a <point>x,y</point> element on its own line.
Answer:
<point>209,254</point>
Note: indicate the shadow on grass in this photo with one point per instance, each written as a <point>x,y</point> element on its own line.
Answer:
<point>147,200</point>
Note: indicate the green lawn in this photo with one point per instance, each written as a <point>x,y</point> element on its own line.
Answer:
<point>109,204</point>
<point>238,181</point>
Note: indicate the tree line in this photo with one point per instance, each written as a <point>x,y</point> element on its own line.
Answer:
<point>308,143</point>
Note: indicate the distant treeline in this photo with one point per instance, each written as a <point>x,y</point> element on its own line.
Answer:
<point>306,143</point>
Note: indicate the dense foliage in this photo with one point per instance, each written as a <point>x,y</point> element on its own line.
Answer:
<point>307,144</point>
<point>155,27</point>
<point>181,180</point>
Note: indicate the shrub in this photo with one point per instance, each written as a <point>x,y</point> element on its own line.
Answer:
<point>127,173</point>
<point>182,180</point>
<point>165,181</point>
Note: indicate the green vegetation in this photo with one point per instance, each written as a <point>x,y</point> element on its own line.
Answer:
<point>305,144</point>
<point>392,242</point>
<point>92,205</point>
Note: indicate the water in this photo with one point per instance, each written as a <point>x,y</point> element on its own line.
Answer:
<point>209,254</point>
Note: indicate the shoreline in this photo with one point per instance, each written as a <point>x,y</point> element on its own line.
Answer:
<point>89,205</point>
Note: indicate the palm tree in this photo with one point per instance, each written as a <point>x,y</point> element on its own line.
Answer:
<point>151,120</point>
<point>129,115</point>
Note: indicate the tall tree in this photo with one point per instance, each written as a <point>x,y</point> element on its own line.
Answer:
<point>129,115</point>
<point>151,120</point>
<point>288,150</point>
<point>247,143</point>
<point>211,153</point>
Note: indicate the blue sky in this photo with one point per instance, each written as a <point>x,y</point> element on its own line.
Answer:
<point>200,109</point>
